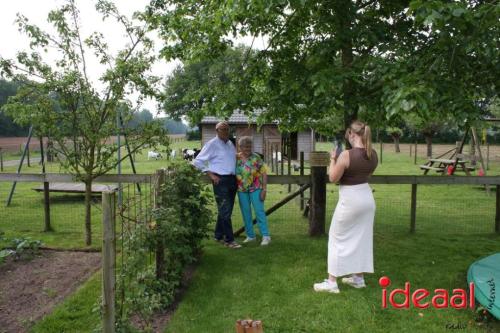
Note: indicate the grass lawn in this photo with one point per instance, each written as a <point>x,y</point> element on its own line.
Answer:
<point>274,284</point>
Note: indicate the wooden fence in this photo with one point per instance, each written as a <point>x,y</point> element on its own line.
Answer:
<point>317,181</point>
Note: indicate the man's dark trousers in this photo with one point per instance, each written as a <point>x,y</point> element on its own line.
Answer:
<point>225,193</point>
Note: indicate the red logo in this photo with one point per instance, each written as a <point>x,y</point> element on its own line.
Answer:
<point>460,298</point>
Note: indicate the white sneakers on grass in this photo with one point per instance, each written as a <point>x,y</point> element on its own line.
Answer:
<point>265,240</point>
<point>354,281</point>
<point>332,287</point>
<point>327,286</point>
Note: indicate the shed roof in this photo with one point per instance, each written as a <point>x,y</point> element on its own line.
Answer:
<point>238,117</point>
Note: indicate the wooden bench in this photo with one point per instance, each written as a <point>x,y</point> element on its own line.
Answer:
<point>426,167</point>
<point>76,188</point>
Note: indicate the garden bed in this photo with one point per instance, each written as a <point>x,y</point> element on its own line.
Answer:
<point>30,289</point>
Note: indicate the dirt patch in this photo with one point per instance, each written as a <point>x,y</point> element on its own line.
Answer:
<point>30,289</point>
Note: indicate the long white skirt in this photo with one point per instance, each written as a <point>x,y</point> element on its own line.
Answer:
<point>350,243</point>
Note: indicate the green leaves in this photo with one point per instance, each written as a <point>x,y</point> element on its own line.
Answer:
<point>340,58</point>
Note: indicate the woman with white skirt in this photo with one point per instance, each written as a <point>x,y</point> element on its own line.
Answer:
<point>350,242</point>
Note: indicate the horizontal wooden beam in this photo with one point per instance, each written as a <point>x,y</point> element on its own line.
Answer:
<point>66,178</point>
<point>436,180</point>
<point>285,179</point>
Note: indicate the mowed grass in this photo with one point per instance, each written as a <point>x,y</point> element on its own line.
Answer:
<point>274,284</point>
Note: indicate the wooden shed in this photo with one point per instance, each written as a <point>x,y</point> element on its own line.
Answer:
<point>266,139</point>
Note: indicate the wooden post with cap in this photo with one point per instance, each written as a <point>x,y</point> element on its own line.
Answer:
<point>318,160</point>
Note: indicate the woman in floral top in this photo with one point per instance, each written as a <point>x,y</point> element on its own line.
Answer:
<point>251,176</point>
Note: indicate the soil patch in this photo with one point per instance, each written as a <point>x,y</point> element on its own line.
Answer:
<point>30,289</point>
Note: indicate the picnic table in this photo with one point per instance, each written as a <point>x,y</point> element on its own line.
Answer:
<point>442,165</point>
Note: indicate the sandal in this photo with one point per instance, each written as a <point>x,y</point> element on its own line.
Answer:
<point>233,245</point>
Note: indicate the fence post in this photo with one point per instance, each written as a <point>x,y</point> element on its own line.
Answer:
<point>497,215</point>
<point>415,155</point>
<point>413,213</point>
<point>28,155</point>
<point>381,150</point>
<point>302,173</point>
<point>1,159</point>
<point>289,153</point>
<point>160,250</point>
<point>108,261</point>
<point>272,157</point>
<point>487,156</point>
<point>318,161</point>
<point>282,162</point>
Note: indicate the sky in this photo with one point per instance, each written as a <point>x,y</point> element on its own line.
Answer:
<point>12,41</point>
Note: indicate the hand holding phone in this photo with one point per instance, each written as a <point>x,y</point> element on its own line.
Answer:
<point>337,148</point>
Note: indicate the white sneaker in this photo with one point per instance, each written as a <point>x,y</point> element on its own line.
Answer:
<point>265,240</point>
<point>353,282</point>
<point>249,239</point>
<point>327,286</point>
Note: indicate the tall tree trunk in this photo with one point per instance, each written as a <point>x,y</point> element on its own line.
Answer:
<point>428,140</point>
<point>88,199</point>
<point>396,143</point>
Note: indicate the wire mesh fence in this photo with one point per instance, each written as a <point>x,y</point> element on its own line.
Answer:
<point>25,217</point>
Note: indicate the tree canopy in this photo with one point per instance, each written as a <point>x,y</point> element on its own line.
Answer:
<point>328,62</point>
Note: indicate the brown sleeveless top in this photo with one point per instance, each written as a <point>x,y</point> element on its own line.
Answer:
<point>360,167</point>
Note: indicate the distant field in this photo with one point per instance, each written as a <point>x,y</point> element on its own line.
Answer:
<point>16,144</point>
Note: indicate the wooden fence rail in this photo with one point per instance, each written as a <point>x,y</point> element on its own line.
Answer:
<point>317,218</point>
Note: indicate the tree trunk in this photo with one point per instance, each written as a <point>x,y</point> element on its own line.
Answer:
<point>88,199</point>
<point>396,143</point>
<point>428,140</point>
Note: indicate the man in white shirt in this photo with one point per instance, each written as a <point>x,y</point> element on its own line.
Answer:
<point>218,159</point>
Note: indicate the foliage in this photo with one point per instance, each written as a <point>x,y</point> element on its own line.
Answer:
<point>18,248</point>
<point>175,126</point>
<point>208,86</point>
<point>328,61</point>
<point>68,107</point>
<point>7,125</point>
<point>180,224</point>
<point>194,134</point>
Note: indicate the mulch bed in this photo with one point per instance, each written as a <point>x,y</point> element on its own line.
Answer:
<point>31,289</point>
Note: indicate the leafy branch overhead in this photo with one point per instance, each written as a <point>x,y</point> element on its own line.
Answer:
<point>330,60</point>
<point>79,112</point>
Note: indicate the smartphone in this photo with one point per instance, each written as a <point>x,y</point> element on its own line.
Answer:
<point>337,144</point>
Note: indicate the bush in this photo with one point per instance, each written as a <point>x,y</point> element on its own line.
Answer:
<point>179,226</point>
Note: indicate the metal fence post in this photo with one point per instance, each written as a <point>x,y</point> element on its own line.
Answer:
<point>302,173</point>
<point>108,261</point>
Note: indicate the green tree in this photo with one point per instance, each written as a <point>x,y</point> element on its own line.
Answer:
<point>331,60</point>
<point>207,86</point>
<point>7,125</point>
<point>396,133</point>
<point>68,107</point>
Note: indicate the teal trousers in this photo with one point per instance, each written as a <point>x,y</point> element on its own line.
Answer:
<point>247,201</point>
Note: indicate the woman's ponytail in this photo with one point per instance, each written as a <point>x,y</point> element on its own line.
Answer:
<point>367,141</point>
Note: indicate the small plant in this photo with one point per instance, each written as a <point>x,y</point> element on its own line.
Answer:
<point>18,248</point>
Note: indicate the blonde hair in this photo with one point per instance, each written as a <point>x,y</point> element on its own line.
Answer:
<point>363,130</point>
